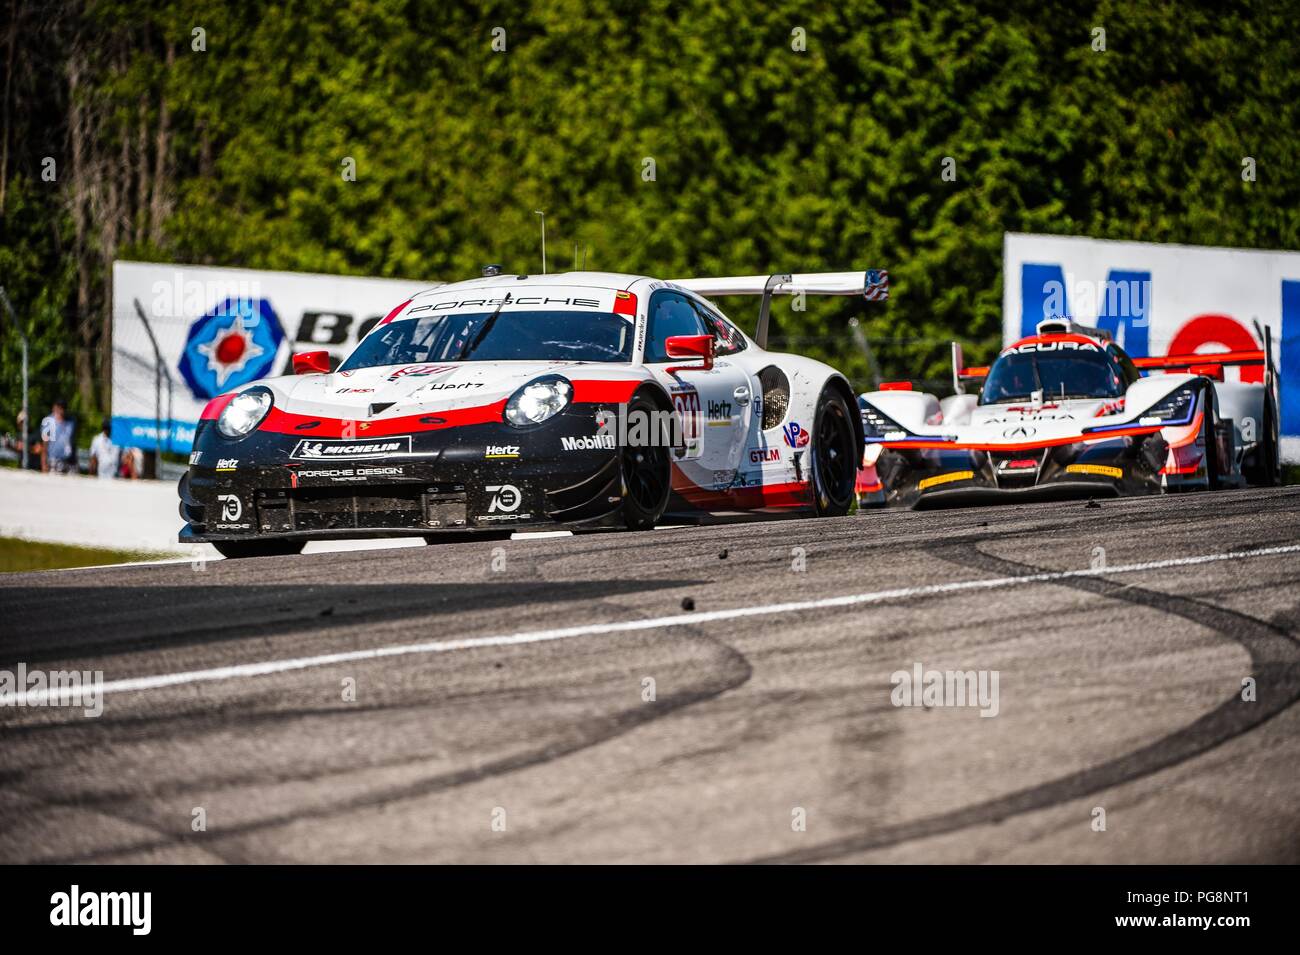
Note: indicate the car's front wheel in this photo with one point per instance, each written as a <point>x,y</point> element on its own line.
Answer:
<point>255,548</point>
<point>646,469</point>
<point>835,455</point>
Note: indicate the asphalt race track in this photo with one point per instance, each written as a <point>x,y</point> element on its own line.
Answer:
<point>507,719</point>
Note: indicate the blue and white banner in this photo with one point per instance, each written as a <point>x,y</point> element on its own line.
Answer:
<point>1164,300</point>
<point>217,329</point>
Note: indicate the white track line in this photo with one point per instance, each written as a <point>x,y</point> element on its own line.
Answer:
<point>161,562</point>
<point>207,554</point>
<point>64,695</point>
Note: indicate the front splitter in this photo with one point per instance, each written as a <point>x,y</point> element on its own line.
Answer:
<point>977,496</point>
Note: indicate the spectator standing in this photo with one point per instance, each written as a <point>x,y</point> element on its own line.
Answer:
<point>132,459</point>
<point>104,454</point>
<point>59,453</point>
<point>25,438</point>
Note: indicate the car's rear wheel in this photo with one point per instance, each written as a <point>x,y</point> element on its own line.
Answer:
<point>834,455</point>
<point>255,548</point>
<point>646,469</point>
<point>1265,466</point>
<point>1210,432</point>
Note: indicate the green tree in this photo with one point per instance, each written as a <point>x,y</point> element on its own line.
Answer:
<point>791,137</point>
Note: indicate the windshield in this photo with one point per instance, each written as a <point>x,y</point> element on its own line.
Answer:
<point>1078,374</point>
<point>505,336</point>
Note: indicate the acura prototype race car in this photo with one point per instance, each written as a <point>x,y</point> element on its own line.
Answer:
<point>1066,413</point>
<point>582,399</point>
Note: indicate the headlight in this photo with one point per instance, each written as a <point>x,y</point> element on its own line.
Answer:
<point>538,400</point>
<point>244,412</point>
<point>1174,409</point>
<point>878,425</point>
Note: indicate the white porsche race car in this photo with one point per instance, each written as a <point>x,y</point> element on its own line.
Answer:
<point>1066,413</point>
<point>511,401</point>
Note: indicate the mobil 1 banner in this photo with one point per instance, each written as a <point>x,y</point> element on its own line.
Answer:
<point>184,334</point>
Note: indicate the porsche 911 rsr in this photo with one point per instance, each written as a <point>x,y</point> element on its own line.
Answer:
<point>581,400</point>
<point>1066,413</point>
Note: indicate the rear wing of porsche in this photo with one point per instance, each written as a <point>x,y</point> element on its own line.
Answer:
<point>872,285</point>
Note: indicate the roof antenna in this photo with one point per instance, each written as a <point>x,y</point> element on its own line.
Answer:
<point>575,256</point>
<point>539,212</point>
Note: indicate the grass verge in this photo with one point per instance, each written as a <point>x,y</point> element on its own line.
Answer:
<point>19,555</point>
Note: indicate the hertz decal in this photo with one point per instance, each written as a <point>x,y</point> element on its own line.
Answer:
<point>1105,470</point>
<point>945,478</point>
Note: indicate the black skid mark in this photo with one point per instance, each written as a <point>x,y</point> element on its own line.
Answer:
<point>46,624</point>
<point>1275,664</point>
<point>731,671</point>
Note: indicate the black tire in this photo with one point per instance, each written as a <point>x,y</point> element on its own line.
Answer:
<point>459,537</point>
<point>646,473</point>
<point>1265,467</point>
<point>1210,429</point>
<point>279,547</point>
<point>834,455</point>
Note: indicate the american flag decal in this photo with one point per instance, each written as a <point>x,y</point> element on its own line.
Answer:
<point>877,285</point>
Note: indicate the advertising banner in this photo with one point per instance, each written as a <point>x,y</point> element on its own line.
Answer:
<point>184,334</point>
<point>1160,299</point>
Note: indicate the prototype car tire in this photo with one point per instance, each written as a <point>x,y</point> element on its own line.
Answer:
<point>1264,468</point>
<point>646,471</point>
<point>1210,429</point>
<point>834,455</point>
<point>1209,436</point>
<point>232,550</point>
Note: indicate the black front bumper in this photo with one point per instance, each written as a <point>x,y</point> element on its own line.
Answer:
<point>473,478</point>
<point>946,478</point>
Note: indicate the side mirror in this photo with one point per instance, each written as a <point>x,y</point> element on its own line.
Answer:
<point>312,363</point>
<point>690,346</point>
